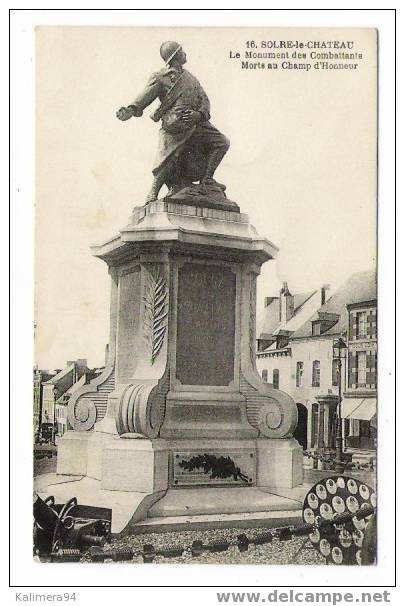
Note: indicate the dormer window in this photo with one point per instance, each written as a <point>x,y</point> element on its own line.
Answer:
<point>282,341</point>
<point>323,322</point>
<point>316,329</point>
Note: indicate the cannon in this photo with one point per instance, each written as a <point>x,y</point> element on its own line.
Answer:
<point>66,528</point>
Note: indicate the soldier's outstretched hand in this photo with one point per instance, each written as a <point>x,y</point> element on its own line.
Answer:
<point>124,113</point>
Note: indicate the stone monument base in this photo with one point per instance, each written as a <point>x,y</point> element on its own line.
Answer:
<point>181,509</point>
<point>180,426</point>
<point>146,479</point>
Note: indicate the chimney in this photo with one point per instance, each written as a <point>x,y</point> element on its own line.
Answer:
<point>80,368</point>
<point>324,288</point>
<point>286,304</point>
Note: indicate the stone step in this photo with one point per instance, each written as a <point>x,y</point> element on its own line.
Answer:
<point>181,509</point>
<point>232,500</point>
<point>263,519</point>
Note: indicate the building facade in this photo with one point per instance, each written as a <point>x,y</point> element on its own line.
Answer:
<point>359,405</point>
<point>39,377</point>
<point>307,370</point>
<point>56,386</point>
<point>305,364</point>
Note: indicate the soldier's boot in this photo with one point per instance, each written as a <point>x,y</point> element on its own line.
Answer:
<point>157,184</point>
<point>213,162</point>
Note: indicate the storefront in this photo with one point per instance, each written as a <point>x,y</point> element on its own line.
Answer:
<point>360,422</point>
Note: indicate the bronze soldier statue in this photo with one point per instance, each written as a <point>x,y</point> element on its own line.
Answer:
<point>190,147</point>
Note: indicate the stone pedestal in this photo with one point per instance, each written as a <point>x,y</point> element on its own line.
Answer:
<point>73,453</point>
<point>180,404</point>
<point>149,459</point>
<point>275,457</point>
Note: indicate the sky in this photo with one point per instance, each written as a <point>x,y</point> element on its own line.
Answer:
<point>302,163</point>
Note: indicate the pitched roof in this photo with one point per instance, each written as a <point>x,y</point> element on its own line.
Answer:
<point>301,298</point>
<point>84,379</point>
<point>360,287</point>
<point>269,320</point>
<point>43,375</point>
<point>60,375</point>
<point>75,386</point>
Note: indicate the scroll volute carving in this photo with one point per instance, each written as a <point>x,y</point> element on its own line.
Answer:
<point>141,401</point>
<point>271,411</point>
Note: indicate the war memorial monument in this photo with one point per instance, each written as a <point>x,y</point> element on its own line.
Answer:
<point>180,427</point>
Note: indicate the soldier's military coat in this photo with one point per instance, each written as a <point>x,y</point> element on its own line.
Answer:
<point>182,149</point>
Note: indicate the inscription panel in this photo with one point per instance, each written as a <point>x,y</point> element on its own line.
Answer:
<point>205,325</point>
<point>192,412</point>
<point>214,467</point>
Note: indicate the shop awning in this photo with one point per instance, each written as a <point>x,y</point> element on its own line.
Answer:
<point>362,409</point>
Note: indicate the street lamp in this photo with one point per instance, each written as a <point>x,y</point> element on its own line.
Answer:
<point>338,346</point>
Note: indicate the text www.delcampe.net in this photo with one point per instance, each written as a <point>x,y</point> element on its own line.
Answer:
<point>292,596</point>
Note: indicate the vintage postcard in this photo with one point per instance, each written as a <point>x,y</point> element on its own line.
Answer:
<point>206,329</point>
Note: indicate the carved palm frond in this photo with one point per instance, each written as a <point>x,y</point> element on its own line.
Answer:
<point>155,312</point>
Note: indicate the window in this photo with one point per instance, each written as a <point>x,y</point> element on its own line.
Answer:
<point>276,379</point>
<point>316,373</point>
<point>335,373</point>
<point>316,329</point>
<point>361,323</point>
<point>299,374</point>
<point>361,368</point>
<point>265,375</point>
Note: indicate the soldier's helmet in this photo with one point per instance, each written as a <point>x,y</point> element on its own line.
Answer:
<point>168,50</point>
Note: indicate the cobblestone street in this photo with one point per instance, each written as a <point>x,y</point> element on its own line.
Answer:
<point>277,552</point>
